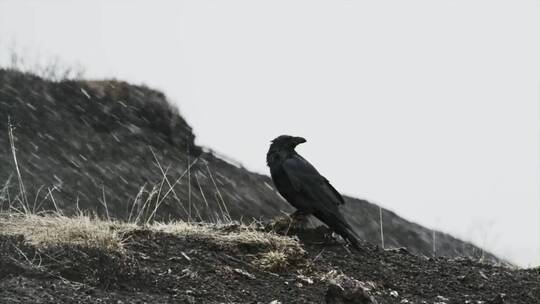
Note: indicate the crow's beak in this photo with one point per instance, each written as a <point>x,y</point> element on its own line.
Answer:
<point>299,140</point>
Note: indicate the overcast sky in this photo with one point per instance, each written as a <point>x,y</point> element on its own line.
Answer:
<point>430,108</point>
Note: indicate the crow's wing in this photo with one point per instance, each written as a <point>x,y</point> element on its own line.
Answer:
<point>308,181</point>
<point>324,199</point>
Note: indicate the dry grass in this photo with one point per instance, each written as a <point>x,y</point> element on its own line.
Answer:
<point>229,235</point>
<point>277,252</point>
<point>57,230</point>
<point>53,230</point>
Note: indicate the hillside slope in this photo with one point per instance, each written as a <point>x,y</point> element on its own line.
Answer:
<point>106,146</point>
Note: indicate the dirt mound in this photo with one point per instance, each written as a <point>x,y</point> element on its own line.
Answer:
<point>162,267</point>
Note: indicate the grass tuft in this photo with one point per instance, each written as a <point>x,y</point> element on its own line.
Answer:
<point>273,260</point>
<point>230,235</point>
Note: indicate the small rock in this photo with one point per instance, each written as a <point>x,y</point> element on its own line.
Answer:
<point>394,294</point>
<point>275,302</point>
<point>344,289</point>
<point>404,301</point>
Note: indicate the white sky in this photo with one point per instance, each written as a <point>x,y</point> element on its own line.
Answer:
<point>427,107</point>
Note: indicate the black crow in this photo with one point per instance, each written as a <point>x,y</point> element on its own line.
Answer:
<point>305,188</point>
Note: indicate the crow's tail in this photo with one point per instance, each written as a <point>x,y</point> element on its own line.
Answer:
<point>345,230</point>
<point>337,223</point>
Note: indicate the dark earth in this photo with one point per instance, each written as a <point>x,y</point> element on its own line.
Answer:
<point>164,268</point>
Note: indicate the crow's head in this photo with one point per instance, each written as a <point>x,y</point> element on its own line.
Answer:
<point>286,142</point>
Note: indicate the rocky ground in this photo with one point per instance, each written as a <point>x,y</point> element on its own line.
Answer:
<point>308,266</point>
